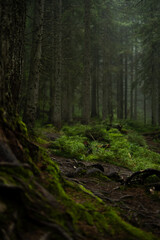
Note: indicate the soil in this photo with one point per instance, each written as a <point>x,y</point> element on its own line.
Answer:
<point>136,204</point>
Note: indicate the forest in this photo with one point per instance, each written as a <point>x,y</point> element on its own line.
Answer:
<point>79,120</point>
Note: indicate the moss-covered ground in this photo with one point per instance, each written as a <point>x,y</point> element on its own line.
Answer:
<point>37,202</point>
<point>120,146</point>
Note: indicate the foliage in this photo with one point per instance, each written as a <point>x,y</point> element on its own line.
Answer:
<point>98,143</point>
<point>97,132</point>
<point>136,138</point>
<point>139,126</point>
<point>70,146</point>
<point>77,129</point>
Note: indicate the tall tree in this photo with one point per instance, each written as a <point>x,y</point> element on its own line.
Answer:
<point>57,112</point>
<point>35,64</point>
<point>12,22</point>
<point>86,83</point>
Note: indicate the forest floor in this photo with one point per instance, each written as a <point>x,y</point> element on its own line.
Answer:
<point>135,204</point>
<point>152,144</point>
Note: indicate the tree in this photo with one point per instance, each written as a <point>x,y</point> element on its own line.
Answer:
<point>86,83</point>
<point>12,21</point>
<point>57,112</point>
<point>35,64</point>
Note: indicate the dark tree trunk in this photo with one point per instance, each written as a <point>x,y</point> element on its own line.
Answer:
<point>131,87</point>
<point>120,89</point>
<point>95,78</point>
<point>57,112</point>
<point>135,102</point>
<point>145,112</point>
<point>136,82</point>
<point>153,96</point>
<point>159,99</point>
<point>12,22</point>
<point>35,64</point>
<point>86,83</point>
<point>126,85</point>
<point>53,56</point>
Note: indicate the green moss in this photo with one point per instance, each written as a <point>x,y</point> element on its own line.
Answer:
<point>61,208</point>
<point>120,226</point>
<point>72,146</point>
<point>41,141</point>
<point>112,146</point>
<point>90,193</point>
<point>137,139</point>
<point>77,129</point>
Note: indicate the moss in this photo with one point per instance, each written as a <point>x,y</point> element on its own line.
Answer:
<point>90,193</point>
<point>41,141</point>
<point>22,127</point>
<point>120,226</point>
<point>48,197</point>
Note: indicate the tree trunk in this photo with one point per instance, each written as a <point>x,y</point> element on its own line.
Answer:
<point>110,100</point>
<point>154,94</point>
<point>86,83</point>
<point>126,85</point>
<point>57,113</point>
<point>53,56</point>
<point>159,99</point>
<point>95,78</point>
<point>104,90</point>
<point>131,87</point>
<point>136,83</point>
<point>145,112</point>
<point>120,89</point>
<point>35,64</point>
<point>12,22</point>
<point>135,103</point>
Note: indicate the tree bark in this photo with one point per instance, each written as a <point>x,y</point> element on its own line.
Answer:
<point>12,22</point>
<point>144,107</point>
<point>126,84</point>
<point>120,89</point>
<point>57,112</point>
<point>131,87</point>
<point>35,64</point>
<point>86,83</point>
<point>95,76</point>
<point>135,90</point>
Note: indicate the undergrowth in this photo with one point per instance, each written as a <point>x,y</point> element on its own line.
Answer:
<point>101,143</point>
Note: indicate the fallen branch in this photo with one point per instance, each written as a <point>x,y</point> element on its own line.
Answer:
<point>140,176</point>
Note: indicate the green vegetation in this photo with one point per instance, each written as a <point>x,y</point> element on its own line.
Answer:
<point>72,146</point>
<point>101,143</point>
<point>48,198</point>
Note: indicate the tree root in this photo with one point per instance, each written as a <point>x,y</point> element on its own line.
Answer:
<point>140,176</point>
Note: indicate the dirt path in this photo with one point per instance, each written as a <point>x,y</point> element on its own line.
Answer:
<point>134,204</point>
